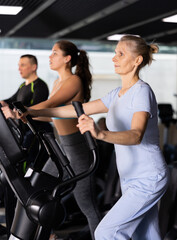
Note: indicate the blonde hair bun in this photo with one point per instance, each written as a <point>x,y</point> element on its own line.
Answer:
<point>154,48</point>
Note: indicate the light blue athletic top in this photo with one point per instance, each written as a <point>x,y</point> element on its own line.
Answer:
<point>146,158</point>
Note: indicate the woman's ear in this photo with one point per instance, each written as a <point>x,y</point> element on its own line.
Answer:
<point>67,58</point>
<point>139,60</point>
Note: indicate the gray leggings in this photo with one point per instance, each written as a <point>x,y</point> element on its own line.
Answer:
<point>79,156</point>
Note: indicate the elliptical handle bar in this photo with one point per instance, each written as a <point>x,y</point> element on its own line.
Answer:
<point>79,110</point>
<point>92,147</point>
<point>21,109</point>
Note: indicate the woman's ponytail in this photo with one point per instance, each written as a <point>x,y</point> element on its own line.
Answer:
<point>80,60</point>
<point>82,70</point>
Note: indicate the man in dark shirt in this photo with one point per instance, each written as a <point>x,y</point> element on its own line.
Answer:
<point>32,91</point>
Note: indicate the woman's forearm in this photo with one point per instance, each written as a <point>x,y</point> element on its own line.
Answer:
<point>133,136</point>
<point>43,119</point>
<point>62,112</point>
<point>94,107</point>
<point>41,105</point>
<point>68,111</point>
<point>130,137</point>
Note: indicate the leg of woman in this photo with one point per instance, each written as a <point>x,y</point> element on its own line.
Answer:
<point>139,196</point>
<point>149,226</point>
<point>77,152</point>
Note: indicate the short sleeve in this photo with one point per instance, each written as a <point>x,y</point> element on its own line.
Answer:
<point>144,100</point>
<point>109,97</point>
<point>41,92</point>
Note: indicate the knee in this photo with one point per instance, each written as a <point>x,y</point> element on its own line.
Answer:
<point>108,232</point>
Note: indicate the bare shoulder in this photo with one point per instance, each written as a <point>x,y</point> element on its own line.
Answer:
<point>75,80</point>
<point>56,81</point>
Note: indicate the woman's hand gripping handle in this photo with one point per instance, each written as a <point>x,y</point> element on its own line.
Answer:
<point>79,110</point>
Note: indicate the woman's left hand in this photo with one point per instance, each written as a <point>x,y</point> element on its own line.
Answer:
<point>86,123</point>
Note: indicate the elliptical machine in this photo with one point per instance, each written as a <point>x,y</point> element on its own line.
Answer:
<point>168,206</point>
<point>166,116</point>
<point>39,193</point>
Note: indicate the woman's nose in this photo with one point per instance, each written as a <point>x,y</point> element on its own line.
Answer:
<point>113,59</point>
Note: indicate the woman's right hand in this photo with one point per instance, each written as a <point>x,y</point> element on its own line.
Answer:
<point>86,123</point>
<point>9,113</point>
<point>22,116</point>
<point>3,103</point>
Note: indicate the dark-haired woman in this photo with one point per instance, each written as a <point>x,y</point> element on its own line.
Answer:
<point>67,88</point>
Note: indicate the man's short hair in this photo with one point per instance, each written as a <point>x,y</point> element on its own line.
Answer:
<point>32,58</point>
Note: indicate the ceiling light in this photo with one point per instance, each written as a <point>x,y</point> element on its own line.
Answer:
<point>10,10</point>
<point>172,19</point>
<point>115,37</point>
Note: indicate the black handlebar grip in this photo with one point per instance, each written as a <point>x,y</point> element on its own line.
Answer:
<point>21,109</point>
<point>19,106</point>
<point>79,110</point>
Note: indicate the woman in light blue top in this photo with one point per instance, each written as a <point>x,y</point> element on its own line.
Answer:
<point>132,121</point>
